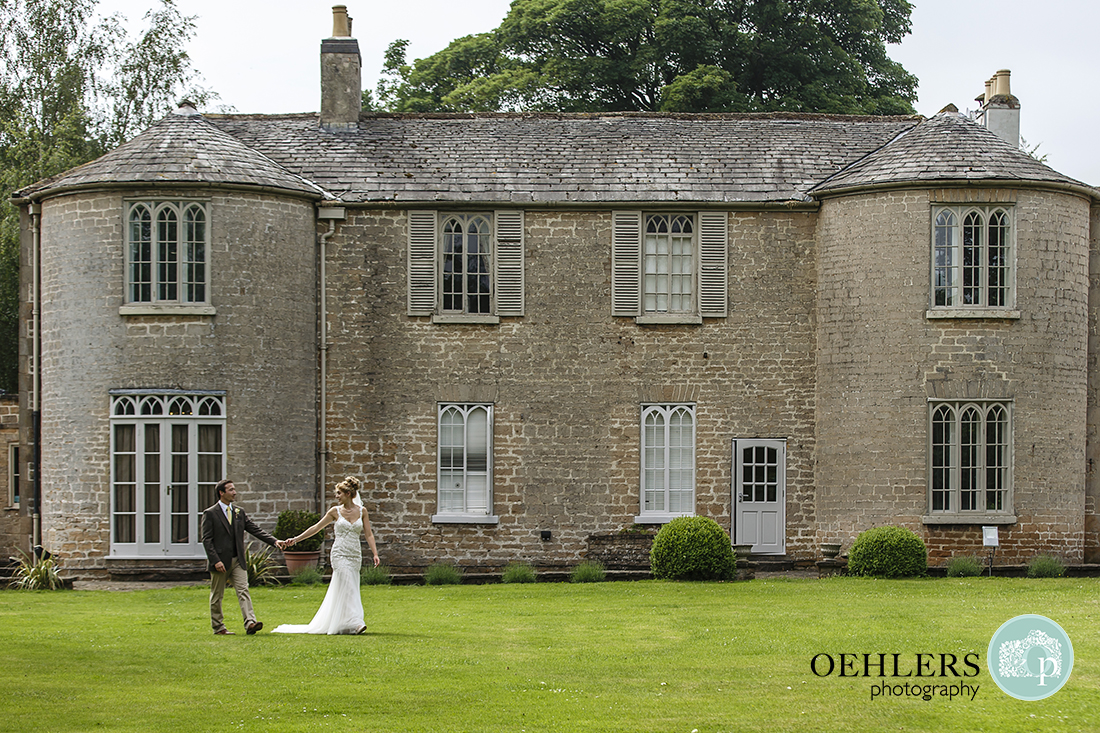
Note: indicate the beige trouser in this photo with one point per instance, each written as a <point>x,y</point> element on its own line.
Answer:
<point>237,577</point>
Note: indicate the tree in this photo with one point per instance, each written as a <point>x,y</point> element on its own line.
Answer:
<point>667,55</point>
<point>72,87</point>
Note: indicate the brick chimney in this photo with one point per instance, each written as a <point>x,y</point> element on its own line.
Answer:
<point>1000,110</point>
<point>341,77</point>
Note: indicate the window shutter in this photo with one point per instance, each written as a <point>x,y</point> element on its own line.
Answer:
<point>422,263</point>
<point>626,263</point>
<point>713,254</point>
<point>509,262</point>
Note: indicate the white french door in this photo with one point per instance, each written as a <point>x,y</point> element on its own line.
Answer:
<point>759,495</point>
<point>167,453</point>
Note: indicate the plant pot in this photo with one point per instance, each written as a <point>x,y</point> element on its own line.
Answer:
<point>830,549</point>
<point>742,551</point>
<point>296,561</point>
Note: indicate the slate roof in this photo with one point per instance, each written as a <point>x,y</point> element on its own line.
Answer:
<point>181,148</point>
<point>947,147</point>
<point>612,158</point>
<point>601,159</point>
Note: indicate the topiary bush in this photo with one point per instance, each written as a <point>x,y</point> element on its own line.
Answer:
<point>1046,566</point>
<point>692,548</point>
<point>888,552</point>
<point>964,566</point>
<point>292,522</point>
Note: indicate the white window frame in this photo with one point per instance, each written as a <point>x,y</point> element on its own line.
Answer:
<point>427,260</point>
<point>656,461</point>
<point>137,529</point>
<point>14,475</point>
<point>964,280</point>
<point>158,280</point>
<point>632,268</point>
<point>959,465</point>
<point>468,509</point>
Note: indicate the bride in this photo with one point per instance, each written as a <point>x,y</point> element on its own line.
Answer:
<point>341,611</point>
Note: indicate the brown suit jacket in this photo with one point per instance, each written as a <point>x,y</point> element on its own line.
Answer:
<point>222,542</point>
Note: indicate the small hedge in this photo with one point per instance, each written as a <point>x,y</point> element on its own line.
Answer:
<point>443,574</point>
<point>1046,566</point>
<point>589,571</point>
<point>692,548</point>
<point>518,573</point>
<point>888,552</point>
<point>964,566</point>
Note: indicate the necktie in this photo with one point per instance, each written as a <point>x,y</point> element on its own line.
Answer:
<point>229,515</point>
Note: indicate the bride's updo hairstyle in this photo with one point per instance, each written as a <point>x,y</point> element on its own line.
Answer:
<point>350,485</point>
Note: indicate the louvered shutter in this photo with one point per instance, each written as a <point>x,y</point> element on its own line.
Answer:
<point>509,262</point>
<point>626,263</point>
<point>713,254</point>
<point>422,263</point>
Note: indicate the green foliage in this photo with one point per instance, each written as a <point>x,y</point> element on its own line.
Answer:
<point>261,567</point>
<point>292,522</point>
<point>443,574</point>
<point>308,575</point>
<point>888,552</point>
<point>965,566</point>
<point>72,86</point>
<point>518,573</point>
<point>672,55</point>
<point>692,548</point>
<point>37,573</point>
<point>371,575</point>
<point>1046,566</point>
<point>589,571</point>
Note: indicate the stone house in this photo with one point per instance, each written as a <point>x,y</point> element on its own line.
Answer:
<point>523,330</point>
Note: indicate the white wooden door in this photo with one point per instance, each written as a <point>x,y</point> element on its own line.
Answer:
<point>759,495</point>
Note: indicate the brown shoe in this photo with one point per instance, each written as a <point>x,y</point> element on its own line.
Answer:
<point>224,632</point>
<point>254,627</point>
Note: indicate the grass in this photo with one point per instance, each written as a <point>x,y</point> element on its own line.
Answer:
<point>643,656</point>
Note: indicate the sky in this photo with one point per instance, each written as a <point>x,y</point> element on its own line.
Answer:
<point>262,56</point>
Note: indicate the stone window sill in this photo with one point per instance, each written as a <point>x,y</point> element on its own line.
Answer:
<point>465,519</point>
<point>968,519</point>
<point>151,309</point>
<point>937,314</point>
<point>486,320</point>
<point>663,518</point>
<point>669,320</point>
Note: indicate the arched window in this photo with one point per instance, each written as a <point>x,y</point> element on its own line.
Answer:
<point>972,261</point>
<point>167,252</point>
<point>970,458</point>
<point>668,460</point>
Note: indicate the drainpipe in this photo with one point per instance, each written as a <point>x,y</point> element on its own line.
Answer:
<point>35,211</point>
<point>331,213</point>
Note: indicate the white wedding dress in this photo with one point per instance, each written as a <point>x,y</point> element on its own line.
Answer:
<point>342,610</point>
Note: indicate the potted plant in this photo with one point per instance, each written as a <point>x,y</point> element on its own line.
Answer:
<point>307,553</point>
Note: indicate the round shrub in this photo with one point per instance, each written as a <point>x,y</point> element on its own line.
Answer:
<point>371,575</point>
<point>888,552</point>
<point>692,548</point>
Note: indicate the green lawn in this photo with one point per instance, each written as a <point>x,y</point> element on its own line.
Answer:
<point>644,656</point>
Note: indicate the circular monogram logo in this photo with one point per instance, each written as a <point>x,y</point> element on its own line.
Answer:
<point>1030,657</point>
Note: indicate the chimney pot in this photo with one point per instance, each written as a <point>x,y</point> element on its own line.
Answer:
<point>341,23</point>
<point>1001,86</point>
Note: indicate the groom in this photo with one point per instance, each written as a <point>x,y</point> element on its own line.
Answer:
<point>223,527</point>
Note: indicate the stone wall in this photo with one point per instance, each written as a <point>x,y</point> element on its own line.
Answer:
<point>567,382</point>
<point>15,527</point>
<point>1092,455</point>
<point>881,359</point>
<point>260,348</point>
